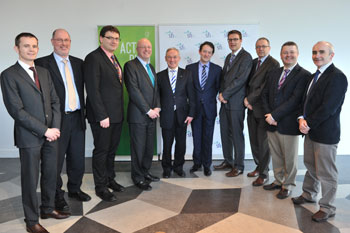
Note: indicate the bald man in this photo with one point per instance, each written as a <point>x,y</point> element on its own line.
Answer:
<point>320,123</point>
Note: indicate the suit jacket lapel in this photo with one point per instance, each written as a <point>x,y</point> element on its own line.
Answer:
<point>196,76</point>
<point>320,79</point>
<point>142,69</point>
<point>291,75</point>
<point>22,73</point>
<point>235,60</point>
<point>54,67</point>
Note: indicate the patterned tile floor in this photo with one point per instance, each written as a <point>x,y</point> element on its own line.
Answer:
<point>193,204</point>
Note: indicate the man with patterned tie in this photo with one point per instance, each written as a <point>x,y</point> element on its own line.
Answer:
<point>177,110</point>
<point>237,67</point>
<point>262,65</point>
<point>143,111</point>
<point>105,110</point>
<point>30,98</point>
<point>206,83</point>
<point>281,98</point>
<point>320,122</point>
<point>67,75</point>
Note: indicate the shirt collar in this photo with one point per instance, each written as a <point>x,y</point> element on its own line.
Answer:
<point>324,67</point>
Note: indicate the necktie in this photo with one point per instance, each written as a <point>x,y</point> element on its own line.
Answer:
<point>72,102</point>
<point>150,74</point>
<point>286,71</point>
<point>309,91</point>
<point>204,76</point>
<point>115,63</point>
<point>231,61</point>
<point>36,78</point>
<point>173,80</point>
<point>259,63</point>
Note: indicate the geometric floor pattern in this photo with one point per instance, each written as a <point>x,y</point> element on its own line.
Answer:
<point>181,205</point>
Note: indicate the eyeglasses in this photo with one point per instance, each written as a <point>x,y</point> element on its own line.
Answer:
<point>61,40</point>
<point>262,47</point>
<point>234,39</point>
<point>113,38</point>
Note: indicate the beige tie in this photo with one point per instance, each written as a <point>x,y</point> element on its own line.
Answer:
<point>72,102</point>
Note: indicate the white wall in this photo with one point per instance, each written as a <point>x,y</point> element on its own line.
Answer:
<point>304,22</point>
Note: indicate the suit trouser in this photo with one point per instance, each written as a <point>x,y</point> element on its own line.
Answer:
<point>71,145</point>
<point>33,159</point>
<point>106,141</point>
<point>202,132</point>
<point>319,160</point>
<point>177,132</point>
<point>258,143</point>
<point>284,154</point>
<point>142,148</point>
<point>232,138</point>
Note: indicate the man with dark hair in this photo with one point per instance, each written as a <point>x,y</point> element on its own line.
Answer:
<point>105,110</point>
<point>237,67</point>
<point>30,98</point>
<point>206,82</point>
<point>257,126</point>
<point>320,122</point>
<point>281,103</point>
<point>67,75</point>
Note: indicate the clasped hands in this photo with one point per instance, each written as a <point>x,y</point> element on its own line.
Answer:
<point>52,134</point>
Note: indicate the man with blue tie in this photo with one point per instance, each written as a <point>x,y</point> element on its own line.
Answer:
<point>206,82</point>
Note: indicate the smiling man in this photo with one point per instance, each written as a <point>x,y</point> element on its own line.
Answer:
<point>281,98</point>
<point>178,108</point>
<point>320,122</point>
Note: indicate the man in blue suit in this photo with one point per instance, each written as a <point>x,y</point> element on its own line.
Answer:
<point>206,82</point>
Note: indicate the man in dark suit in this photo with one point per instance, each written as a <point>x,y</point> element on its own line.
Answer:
<point>177,110</point>
<point>281,98</point>
<point>237,67</point>
<point>105,110</point>
<point>69,87</point>
<point>30,98</point>
<point>320,122</point>
<point>257,126</point>
<point>206,82</point>
<point>143,111</point>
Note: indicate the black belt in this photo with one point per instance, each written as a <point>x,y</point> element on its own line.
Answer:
<point>67,113</point>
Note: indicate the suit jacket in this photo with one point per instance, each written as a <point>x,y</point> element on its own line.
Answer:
<point>233,81</point>
<point>285,104</point>
<point>143,96</point>
<point>256,83</point>
<point>50,64</point>
<point>104,90</point>
<point>323,107</point>
<point>206,98</point>
<point>33,110</point>
<point>183,98</point>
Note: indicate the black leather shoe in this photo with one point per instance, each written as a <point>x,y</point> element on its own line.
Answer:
<point>180,173</point>
<point>37,228</point>
<point>272,186</point>
<point>194,168</point>
<point>54,214</point>
<point>223,165</point>
<point>144,186</point>
<point>61,205</point>
<point>166,175</point>
<point>207,171</point>
<point>151,178</point>
<point>321,216</point>
<point>301,200</point>
<point>283,193</point>
<point>80,196</point>
<point>106,195</point>
<point>115,186</point>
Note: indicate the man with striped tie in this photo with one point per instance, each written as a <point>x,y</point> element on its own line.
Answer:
<point>177,111</point>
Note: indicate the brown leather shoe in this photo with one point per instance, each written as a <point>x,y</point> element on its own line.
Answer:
<point>37,228</point>
<point>254,173</point>
<point>234,172</point>
<point>321,216</point>
<point>54,214</point>
<point>223,165</point>
<point>260,181</point>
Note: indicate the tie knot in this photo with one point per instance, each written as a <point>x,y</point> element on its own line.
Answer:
<point>64,61</point>
<point>204,66</point>
<point>286,71</point>
<point>32,68</point>
<point>172,71</point>
<point>317,72</point>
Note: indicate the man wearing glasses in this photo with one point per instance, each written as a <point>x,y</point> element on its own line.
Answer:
<point>105,110</point>
<point>232,91</point>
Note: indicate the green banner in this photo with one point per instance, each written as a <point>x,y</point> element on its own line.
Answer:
<point>125,52</point>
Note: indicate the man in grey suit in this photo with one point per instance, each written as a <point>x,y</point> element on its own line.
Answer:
<point>320,122</point>
<point>237,67</point>
<point>30,98</point>
<point>262,65</point>
<point>143,111</point>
